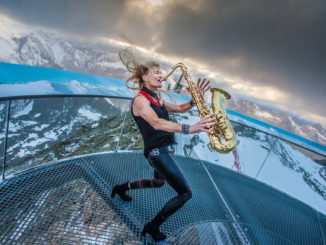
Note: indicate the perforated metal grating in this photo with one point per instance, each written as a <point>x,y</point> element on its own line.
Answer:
<point>69,202</point>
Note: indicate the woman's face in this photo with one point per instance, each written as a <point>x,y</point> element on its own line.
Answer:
<point>153,78</point>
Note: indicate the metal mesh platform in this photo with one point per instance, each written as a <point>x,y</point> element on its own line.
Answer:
<point>68,202</point>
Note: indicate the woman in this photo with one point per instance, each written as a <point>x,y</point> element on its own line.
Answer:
<point>152,118</point>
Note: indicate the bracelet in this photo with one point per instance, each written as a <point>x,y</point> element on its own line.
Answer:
<point>185,128</point>
<point>192,102</point>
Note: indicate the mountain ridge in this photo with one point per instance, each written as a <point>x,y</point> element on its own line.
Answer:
<point>39,48</point>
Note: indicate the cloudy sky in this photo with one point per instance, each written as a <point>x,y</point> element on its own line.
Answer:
<point>273,50</point>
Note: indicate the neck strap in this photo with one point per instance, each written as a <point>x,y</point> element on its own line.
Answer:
<point>150,98</point>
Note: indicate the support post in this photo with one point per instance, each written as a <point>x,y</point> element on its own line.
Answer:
<point>6,140</point>
<point>123,124</point>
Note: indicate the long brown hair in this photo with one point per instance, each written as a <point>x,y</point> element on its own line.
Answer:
<point>137,69</point>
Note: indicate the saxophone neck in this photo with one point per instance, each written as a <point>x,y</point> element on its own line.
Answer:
<point>183,68</point>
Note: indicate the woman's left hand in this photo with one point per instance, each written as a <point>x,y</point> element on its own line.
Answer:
<point>202,86</point>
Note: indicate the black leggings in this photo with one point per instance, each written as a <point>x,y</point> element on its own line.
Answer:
<point>166,169</point>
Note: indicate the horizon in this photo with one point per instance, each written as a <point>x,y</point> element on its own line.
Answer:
<point>42,85</point>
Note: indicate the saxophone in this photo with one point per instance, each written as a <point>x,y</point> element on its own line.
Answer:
<point>222,137</point>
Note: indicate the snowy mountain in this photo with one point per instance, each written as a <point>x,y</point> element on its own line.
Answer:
<point>38,48</point>
<point>21,45</point>
<point>313,131</point>
<point>266,158</point>
<point>38,124</point>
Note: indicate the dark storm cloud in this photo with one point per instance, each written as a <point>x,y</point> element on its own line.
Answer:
<point>82,18</point>
<point>78,17</point>
<point>280,43</point>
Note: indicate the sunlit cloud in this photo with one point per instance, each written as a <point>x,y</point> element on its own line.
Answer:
<point>314,118</point>
<point>264,93</point>
<point>235,84</point>
<point>149,9</point>
<point>155,2</point>
<point>8,23</point>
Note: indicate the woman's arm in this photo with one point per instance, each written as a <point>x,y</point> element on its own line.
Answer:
<point>177,108</point>
<point>141,107</point>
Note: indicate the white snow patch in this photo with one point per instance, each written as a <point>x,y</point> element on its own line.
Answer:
<point>51,135</point>
<point>120,91</point>
<point>86,112</point>
<point>76,87</point>
<point>95,125</point>
<point>16,126</point>
<point>267,115</point>
<point>41,127</point>
<point>7,49</point>
<point>25,148</point>
<point>111,64</point>
<point>72,147</point>
<point>31,88</point>
<point>106,145</point>
<point>322,137</point>
<point>25,111</point>
<point>58,51</point>
<point>109,101</point>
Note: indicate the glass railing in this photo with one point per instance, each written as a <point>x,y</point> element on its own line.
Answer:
<point>45,130</point>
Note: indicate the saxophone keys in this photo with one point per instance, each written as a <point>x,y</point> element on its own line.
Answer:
<point>209,147</point>
<point>227,134</point>
<point>219,118</point>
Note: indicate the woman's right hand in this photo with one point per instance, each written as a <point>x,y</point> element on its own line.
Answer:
<point>203,125</point>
